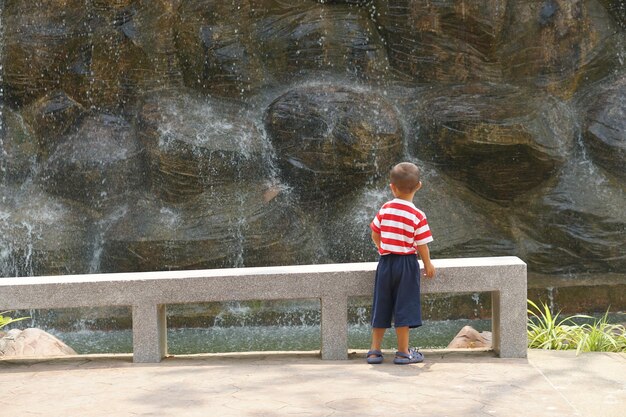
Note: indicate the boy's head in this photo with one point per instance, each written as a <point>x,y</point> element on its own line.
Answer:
<point>405,177</point>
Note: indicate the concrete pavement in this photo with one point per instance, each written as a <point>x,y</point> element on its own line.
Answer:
<point>448,383</point>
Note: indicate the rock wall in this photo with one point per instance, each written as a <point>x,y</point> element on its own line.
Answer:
<point>169,134</point>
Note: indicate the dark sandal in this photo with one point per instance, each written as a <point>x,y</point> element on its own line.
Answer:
<point>377,357</point>
<point>414,356</point>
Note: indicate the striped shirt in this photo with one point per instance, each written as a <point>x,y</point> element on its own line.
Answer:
<point>401,226</point>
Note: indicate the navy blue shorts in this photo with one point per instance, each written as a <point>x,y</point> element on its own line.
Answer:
<point>397,292</point>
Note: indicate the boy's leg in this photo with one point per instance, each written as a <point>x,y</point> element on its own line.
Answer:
<point>402,334</point>
<point>377,338</point>
<point>382,305</point>
<point>408,308</point>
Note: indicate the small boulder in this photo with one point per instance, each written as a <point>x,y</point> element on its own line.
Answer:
<point>500,140</point>
<point>331,139</point>
<point>470,338</point>
<point>32,342</point>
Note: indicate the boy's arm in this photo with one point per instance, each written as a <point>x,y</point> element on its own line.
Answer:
<point>429,269</point>
<point>376,239</point>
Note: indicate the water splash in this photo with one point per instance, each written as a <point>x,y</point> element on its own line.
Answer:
<point>102,228</point>
<point>476,299</point>
<point>16,258</point>
<point>362,316</point>
<point>28,252</point>
<point>7,261</point>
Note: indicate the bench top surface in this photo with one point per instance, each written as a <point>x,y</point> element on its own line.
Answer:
<point>440,265</point>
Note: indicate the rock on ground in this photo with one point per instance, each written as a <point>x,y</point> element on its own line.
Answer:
<point>469,337</point>
<point>32,342</point>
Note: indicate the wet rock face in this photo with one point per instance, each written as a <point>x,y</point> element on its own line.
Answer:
<point>552,44</point>
<point>579,221</point>
<point>42,235</point>
<point>199,107</point>
<point>100,53</point>
<point>557,44</point>
<point>214,230</point>
<point>617,9</point>
<point>463,224</point>
<point>102,160</point>
<point>42,41</point>
<point>501,147</point>
<point>215,47</point>
<point>194,144</point>
<point>18,148</point>
<point>304,38</point>
<point>331,140</point>
<point>51,117</point>
<point>232,49</point>
<point>605,129</point>
<point>442,41</point>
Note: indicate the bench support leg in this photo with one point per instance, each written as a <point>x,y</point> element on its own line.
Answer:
<point>149,333</point>
<point>335,328</point>
<point>508,320</point>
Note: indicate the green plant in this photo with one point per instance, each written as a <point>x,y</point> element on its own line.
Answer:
<point>545,331</point>
<point>601,336</point>
<point>8,320</point>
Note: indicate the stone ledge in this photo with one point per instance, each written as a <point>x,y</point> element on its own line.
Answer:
<point>149,292</point>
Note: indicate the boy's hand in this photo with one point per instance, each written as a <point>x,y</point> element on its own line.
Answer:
<point>429,270</point>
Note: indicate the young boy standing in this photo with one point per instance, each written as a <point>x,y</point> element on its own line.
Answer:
<point>400,231</point>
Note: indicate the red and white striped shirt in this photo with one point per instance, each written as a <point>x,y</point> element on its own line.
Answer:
<point>401,226</point>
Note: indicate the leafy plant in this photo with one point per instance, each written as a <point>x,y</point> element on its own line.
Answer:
<point>546,331</point>
<point>8,320</point>
<point>602,336</point>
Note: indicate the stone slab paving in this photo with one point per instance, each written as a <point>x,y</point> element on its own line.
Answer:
<point>301,384</point>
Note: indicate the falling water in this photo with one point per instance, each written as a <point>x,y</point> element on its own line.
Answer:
<point>102,227</point>
<point>476,299</point>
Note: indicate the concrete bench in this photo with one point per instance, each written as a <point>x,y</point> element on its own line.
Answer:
<point>149,292</point>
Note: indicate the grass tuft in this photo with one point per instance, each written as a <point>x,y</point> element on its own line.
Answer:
<point>547,331</point>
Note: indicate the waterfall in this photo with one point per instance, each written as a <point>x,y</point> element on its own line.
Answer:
<point>156,135</point>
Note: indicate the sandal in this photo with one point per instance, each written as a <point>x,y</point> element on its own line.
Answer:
<point>414,356</point>
<point>377,357</point>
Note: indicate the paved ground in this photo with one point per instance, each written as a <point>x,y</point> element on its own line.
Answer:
<point>447,384</point>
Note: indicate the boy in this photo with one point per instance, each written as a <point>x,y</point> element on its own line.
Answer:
<point>400,231</point>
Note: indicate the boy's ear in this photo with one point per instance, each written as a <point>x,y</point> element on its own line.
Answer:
<point>419,185</point>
